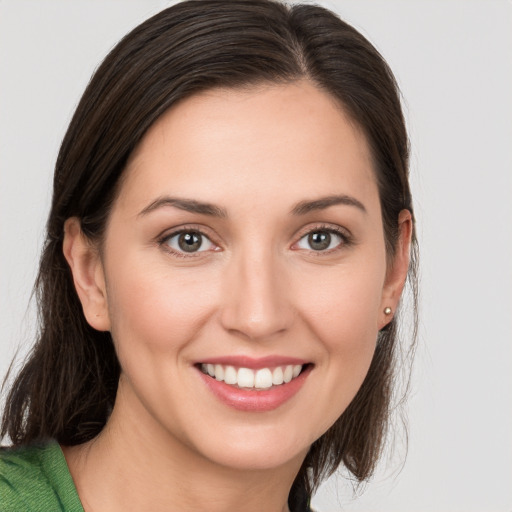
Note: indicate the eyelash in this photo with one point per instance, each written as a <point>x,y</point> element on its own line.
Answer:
<point>346,240</point>
<point>163,241</point>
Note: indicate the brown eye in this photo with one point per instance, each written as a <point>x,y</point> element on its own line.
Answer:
<point>321,240</point>
<point>189,242</point>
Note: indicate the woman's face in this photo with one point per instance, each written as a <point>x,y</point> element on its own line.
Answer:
<point>246,241</point>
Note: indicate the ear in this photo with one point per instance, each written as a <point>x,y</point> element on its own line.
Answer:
<point>88,276</point>
<point>397,271</point>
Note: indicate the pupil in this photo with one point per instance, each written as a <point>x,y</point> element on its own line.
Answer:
<point>319,240</point>
<point>189,242</point>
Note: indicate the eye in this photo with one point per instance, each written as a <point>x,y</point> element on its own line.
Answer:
<point>321,240</point>
<point>189,241</point>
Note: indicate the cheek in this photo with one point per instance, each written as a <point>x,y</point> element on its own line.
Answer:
<point>342,313</point>
<point>157,309</point>
<point>344,308</point>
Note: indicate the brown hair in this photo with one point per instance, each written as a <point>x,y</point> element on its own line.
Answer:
<point>67,387</point>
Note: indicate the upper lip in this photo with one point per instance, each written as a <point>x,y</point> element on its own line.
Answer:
<point>254,363</point>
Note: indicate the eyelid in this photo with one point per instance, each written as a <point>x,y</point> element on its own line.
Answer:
<point>166,235</point>
<point>343,233</point>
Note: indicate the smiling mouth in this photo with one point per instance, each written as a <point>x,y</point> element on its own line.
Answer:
<point>247,378</point>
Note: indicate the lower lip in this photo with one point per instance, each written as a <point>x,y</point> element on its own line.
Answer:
<point>255,400</point>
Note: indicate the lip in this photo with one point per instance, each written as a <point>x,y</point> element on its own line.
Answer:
<point>251,400</point>
<point>252,362</point>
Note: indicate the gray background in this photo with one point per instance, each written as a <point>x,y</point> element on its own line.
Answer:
<point>453,60</point>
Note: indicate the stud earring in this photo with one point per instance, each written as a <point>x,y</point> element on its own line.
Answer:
<point>387,311</point>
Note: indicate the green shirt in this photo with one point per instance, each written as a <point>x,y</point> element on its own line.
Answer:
<point>36,479</point>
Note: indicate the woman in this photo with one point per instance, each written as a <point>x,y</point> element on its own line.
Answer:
<point>229,237</point>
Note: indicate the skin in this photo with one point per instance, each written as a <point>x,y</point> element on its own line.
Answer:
<point>257,289</point>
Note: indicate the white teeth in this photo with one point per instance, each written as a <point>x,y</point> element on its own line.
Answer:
<point>262,378</point>
<point>219,372</point>
<point>245,378</point>
<point>230,375</point>
<point>277,376</point>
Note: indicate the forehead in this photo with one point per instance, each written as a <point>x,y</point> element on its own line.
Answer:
<point>272,140</point>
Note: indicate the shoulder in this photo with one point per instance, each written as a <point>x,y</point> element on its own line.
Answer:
<point>36,478</point>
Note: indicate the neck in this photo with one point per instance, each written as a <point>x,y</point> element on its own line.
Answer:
<point>129,466</point>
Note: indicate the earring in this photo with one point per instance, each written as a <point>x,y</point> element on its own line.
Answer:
<point>387,311</point>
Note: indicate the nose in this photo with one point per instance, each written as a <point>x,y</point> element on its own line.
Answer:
<point>256,304</point>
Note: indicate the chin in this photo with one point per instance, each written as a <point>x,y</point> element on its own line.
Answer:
<point>257,447</point>
<point>257,458</point>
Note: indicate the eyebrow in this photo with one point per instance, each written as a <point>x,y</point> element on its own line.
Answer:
<point>188,205</point>
<point>322,203</point>
<point>301,208</point>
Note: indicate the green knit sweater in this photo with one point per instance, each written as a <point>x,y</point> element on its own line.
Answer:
<point>36,479</point>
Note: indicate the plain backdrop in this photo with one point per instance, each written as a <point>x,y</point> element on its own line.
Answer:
<point>453,61</point>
